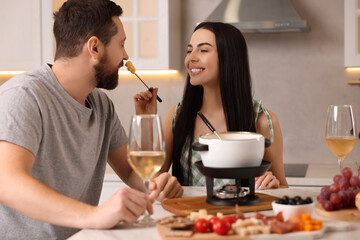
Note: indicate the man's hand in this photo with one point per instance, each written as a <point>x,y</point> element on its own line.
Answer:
<point>145,102</point>
<point>165,186</point>
<point>125,205</point>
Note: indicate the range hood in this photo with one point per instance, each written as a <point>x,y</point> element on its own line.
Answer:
<point>259,16</point>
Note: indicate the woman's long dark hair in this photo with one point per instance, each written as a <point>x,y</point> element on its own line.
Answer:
<point>235,88</point>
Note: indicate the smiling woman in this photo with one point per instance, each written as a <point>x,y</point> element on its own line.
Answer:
<point>219,85</point>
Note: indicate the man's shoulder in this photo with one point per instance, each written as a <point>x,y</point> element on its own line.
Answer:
<point>28,79</point>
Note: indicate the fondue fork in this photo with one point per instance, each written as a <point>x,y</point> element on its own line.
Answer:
<point>208,124</point>
<point>131,68</point>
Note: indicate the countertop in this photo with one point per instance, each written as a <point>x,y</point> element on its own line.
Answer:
<point>319,174</point>
<point>127,232</point>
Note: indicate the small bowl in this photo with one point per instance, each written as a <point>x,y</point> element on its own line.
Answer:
<point>290,211</point>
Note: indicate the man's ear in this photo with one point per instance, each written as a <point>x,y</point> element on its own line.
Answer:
<point>95,47</point>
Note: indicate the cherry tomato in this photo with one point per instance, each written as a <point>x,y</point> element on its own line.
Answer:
<point>221,227</point>
<point>211,221</point>
<point>229,218</point>
<point>202,225</point>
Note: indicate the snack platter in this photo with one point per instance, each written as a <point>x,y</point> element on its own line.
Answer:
<point>204,224</point>
<point>195,218</point>
<point>301,235</point>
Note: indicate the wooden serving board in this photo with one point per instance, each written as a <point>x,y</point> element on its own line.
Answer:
<point>351,214</point>
<point>184,206</point>
<point>162,231</point>
<point>303,235</point>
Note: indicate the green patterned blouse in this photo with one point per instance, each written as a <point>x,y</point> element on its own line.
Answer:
<point>197,179</point>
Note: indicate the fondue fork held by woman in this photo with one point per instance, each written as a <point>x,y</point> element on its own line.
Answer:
<point>219,85</point>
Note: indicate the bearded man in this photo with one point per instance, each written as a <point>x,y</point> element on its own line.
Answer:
<point>58,130</point>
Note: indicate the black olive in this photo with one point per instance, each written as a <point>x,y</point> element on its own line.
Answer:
<point>297,198</point>
<point>285,199</point>
<point>301,202</point>
<point>292,202</point>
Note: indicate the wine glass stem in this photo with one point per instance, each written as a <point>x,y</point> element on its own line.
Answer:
<point>147,215</point>
<point>340,161</point>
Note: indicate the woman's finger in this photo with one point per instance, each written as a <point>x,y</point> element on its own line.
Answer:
<point>263,180</point>
<point>258,181</point>
<point>270,181</point>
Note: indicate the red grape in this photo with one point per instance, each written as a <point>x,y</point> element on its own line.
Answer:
<point>326,194</point>
<point>343,195</point>
<point>328,206</point>
<point>337,178</point>
<point>350,194</point>
<point>347,172</point>
<point>320,198</point>
<point>355,181</point>
<point>338,206</point>
<point>324,188</point>
<point>344,183</point>
<point>335,198</point>
<point>335,187</point>
<point>356,190</point>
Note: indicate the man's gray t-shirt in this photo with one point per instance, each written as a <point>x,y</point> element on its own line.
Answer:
<point>70,143</point>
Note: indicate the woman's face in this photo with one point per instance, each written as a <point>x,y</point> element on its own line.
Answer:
<point>201,60</point>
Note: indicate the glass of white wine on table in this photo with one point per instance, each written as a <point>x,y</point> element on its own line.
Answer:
<point>146,153</point>
<point>340,134</point>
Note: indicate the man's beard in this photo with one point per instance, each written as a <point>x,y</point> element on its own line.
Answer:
<point>104,79</point>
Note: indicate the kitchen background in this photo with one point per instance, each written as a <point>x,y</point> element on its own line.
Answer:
<point>296,75</point>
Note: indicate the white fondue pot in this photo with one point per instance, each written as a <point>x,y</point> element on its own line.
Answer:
<point>233,150</point>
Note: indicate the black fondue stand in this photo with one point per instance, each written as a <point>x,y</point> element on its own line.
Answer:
<point>244,177</point>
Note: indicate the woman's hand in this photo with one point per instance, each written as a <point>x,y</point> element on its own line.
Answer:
<point>145,102</point>
<point>165,186</point>
<point>266,181</point>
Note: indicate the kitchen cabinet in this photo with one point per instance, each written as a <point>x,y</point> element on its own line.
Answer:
<point>352,33</point>
<point>25,28</point>
<point>153,33</point>
<point>152,28</point>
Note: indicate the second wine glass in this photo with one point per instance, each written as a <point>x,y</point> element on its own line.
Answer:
<point>146,153</point>
<point>340,134</point>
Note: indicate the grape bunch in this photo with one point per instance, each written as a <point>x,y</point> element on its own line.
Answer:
<point>341,194</point>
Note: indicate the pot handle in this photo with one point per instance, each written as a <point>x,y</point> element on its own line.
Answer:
<point>267,143</point>
<point>200,147</point>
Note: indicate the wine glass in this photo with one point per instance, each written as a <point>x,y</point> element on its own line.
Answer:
<point>146,153</point>
<point>340,134</point>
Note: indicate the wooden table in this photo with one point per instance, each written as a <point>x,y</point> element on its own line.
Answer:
<point>150,233</point>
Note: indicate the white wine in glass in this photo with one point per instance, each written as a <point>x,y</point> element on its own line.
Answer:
<point>340,134</point>
<point>146,153</point>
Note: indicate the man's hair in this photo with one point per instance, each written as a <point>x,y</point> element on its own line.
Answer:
<point>78,20</point>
